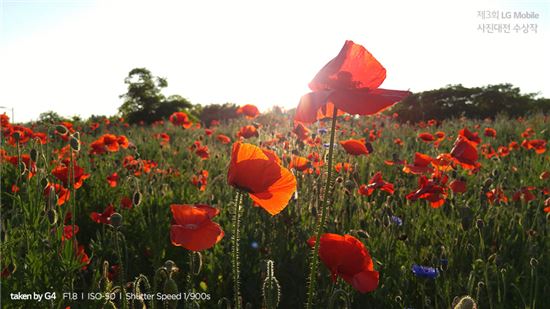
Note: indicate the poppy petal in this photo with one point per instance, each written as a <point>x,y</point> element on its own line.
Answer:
<point>202,238</point>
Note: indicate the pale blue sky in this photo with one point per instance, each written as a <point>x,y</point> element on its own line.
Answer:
<point>72,56</point>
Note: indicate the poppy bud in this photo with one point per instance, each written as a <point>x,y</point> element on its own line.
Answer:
<point>34,155</point>
<point>170,266</point>
<point>487,182</point>
<point>75,143</point>
<point>271,290</point>
<point>479,224</point>
<point>51,214</point>
<point>116,220</point>
<point>52,198</point>
<point>61,129</point>
<point>534,262</point>
<point>339,179</point>
<point>170,287</point>
<point>402,237</point>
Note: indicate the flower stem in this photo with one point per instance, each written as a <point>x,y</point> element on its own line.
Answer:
<point>235,249</point>
<point>321,221</point>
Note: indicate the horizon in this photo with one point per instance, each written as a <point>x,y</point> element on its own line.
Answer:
<point>72,57</point>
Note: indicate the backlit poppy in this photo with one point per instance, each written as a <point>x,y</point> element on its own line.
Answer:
<point>299,163</point>
<point>192,227</point>
<point>301,131</point>
<point>223,139</point>
<point>426,137</point>
<point>490,132</point>
<point>350,83</point>
<point>61,172</point>
<point>464,153</point>
<point>62,193</point>
<point>375,183</point>
<point>267,182</point>
<point>249,110</point>
<point>68,232</point>
<point>112,180</point>
<point>355,147</point>
<point>421,164</point>
<point>496,196</point>
<point>458,185</point>
<point>432,190</point>
<point>248,132</point>
<point>346,257</point>
<point>525,193</point>
<point>180,119</point>
<point>538,145</point>
<point>470,136</point>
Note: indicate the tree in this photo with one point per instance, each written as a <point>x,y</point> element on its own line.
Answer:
<point>50,117</point>
<point>217,112</point>
<point>144,100</point>
<point>478,102</point>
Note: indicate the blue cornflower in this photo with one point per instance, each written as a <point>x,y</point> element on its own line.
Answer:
<point>425,271</point>
<point>397,220</point>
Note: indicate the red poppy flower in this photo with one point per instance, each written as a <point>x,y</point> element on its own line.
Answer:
<point>398,142</point>
<point>223,139</point>
<point>426,137</point>
<point>111,142</point>
<point>202,152</point>
<point>458,185</point>
<point>464,153</point>
<point>528,133</point>
<point>61,172</point>
<point>299,163</point>
<point>343,166</point>
<point>490,132</point>
<point>524,192</point>
<point>164,138</point>
<point>208,132</point>
<point>200,180</point>
<point>496,196</point>
<point>126,203</point>
<point>84,258</point>
<point>346,257</point>
<point>350,83</point>
<point>376,182</point>
<point>421,164</point>
<point>68,232</point>
<point>268,183</point>
<point>443,162</point>
<point>432,190</point>
<point>544,175</point>
<point>301,131</point>
<point>180,119</point>
<point>249,110</point>
<point>192,227</point>
<point>355,147</point>
<point>105,217</point>
<point>471,137</point>
<point>112,179</point>
<point>248,132</point>
<point>440,135</point>
<point>538,145</point>
<point>503,151</point>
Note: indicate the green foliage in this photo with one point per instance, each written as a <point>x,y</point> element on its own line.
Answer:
<point>475,103</point>
<point>50,117</point>
<point>144,101</point>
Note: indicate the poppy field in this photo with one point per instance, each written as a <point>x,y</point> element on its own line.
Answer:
<point>335,204</point>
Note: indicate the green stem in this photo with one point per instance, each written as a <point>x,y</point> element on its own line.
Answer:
<point>321,222</point>
<point>235,249</point>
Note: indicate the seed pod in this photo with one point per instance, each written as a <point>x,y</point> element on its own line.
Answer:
<point>464,302</point>
<point>116,220</point>
<point>136,198</point>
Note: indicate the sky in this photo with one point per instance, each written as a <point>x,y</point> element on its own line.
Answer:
<point>71,57</point>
